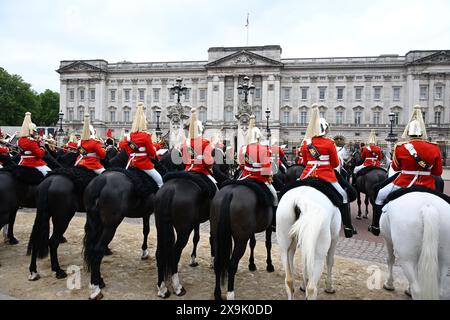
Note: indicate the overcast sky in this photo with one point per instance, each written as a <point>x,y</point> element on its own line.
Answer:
<point>36,34</point>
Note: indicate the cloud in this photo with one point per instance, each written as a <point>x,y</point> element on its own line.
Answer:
<point>36,35</point>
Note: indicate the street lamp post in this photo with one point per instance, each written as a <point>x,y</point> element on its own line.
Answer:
<point>392,137</point>
<point>158,129</point>
<point>61,115</point>
<point>246,88</point>
<point>178,89</point>
<point>267,125</point>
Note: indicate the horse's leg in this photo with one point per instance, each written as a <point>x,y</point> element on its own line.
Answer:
<point>389,284</point>
<point>211,244</point>
<point>251,260</point>
<point>12,219</point>
<point>60,224</point>
<point>99,250</point>
<point>182,240</point>
<point>410,272</point>
<point>287,257</point>
<point>34,275</point>
<point>359,205</point>
<point>270,267</point>
<point>366,202</point>
<point>195,240</point>
<point>145,231</point>
<point>311,287</point>
<point>238,252</point>
<point>330,261</point>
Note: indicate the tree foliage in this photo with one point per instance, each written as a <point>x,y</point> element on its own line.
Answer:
<point>17,97</point>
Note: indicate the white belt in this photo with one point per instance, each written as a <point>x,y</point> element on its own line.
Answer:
<point>87,155</point>
<point>371,158</point>
<point>416,175</point>
<point>324,158</point>
<point>315,164</point>
<point>252,169</point>
<point>199,157</point>
<point>92,155</point>
<point>134,155</point>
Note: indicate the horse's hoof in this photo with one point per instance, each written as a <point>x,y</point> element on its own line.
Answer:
<point>181,293</point>
<point>97,297</point>
<point>108,252</point>
<point>408,293</point>
<point>388,288</point>
<point>101,284</point>
<point>193,265</point>
<point>252,267</point>
<point>145,255</point>
<point>330,291</point>
<point>61,274</point>
<point>13,241</point>
<point>63,240</point>
<point>34,276</point>
<point>270,268</point>
<point>366,216</point>
<point>302,288</point>
<point>358,218</point>
<point>165,295</point>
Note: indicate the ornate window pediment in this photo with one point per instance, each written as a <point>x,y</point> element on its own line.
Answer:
<point>244,58</point>
<point>358,108</point>
<point>339,108</point>
<point>377,108</point>
<point>79,66</point>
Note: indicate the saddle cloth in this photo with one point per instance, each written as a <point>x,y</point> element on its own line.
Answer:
<point>263,194</point>
<point>400,192</point>
<point>143,184</point>
<point>207,187</point>
<point>26,175</point>
<point>80,176</point>
<point>325,187</point>
<point>365,170</point>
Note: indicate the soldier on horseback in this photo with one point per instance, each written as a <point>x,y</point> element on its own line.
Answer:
<point>371,154</point>
<point>320,156</point>
<point>90,148</point>
<point>279,157</point>
<point>32,148</point>
<point>139,146</point>
<point>256,160</point>
<point>197,151</point>
<point>416,159</point>
<point>71,145</point>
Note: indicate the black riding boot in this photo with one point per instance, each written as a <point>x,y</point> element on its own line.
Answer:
<point>349,230</point>
<point>375,226</point>
<point>274,219</point>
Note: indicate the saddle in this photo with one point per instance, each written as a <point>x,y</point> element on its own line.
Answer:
<point>26,175</point>
<point>325,187</point>
<point>366,170</point>
<point>207,187</point>
<point>377,187</point>
<point>143,184</point>
<point>80,176</point>
<point>400,192</point>
<point>263,194</point>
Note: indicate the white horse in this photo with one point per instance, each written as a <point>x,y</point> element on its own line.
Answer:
<point>316,232</point>
<point>416,226</point>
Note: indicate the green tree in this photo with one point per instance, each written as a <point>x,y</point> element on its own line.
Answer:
<point>16,98</point>
<point>48,108</point>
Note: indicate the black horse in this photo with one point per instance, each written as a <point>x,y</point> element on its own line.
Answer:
<point>236,214</point>
<point>16,191</point>
<point>293,173</point>
<point>58,197</point>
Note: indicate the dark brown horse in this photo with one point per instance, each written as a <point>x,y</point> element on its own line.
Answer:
<point>236,215</point>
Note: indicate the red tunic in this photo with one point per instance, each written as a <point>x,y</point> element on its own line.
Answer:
<point>256,160</point>
<point>402,160</point>
<point>198,156</point>
<point>95,153</point>
<point>277,151</point>
<point>369,158</point>
<point>32,153</point>
<point>328,160</point>
<point>139,159</point>
<point>70,146</point>
<point>4,149</point>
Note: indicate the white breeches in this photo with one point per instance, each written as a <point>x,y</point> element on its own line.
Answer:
<point>155,176</point>
<point>99,171</point>
<point>341,191</point>
<point>358,168</point>
<point>44,170</point>
<point>274,193</point>
<point>210,177</point>
<point>384,192</point>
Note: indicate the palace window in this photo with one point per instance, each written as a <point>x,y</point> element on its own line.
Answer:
<point>202,115</point>
<point>112,115</point>
<point>322,93</point>
<point>70,116</point>
<point>127,94</point>
<point>156,95</point>
<point>358,93</point>
<point>376,117</point>
<point>286,116</point>
<point>339,117</point>
<point>438,92</point>
<point>92,114</point>
<point>126,115</point>
<point>92,94</point>
<point>258,93</point>
<point>202,94</point>
<point>340,93</point>
<point>229,114</point>
<point>229,93</point>
<point>377,93</point>
<point>112,95</point>
<point>303,117</point>
<point>71,95</point>
<point>258,115</point>
<point>187,95</point>
<point>286,93</point>
<point>81,94</point>
<point>81,113</point>
<point>396,118</point>
<point>304,93</point>
<point>423,92</point>
<point>437,117</point>
<point>141,94</point>
<point>396,93</point>
<point>358,116</point>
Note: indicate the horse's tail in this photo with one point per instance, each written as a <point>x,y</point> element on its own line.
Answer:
<point>224,243</point>
<point>306,230</point>
<point>165,233</point>
<point>93,227</point>
<point>41,227</point>
<point>427,270</point>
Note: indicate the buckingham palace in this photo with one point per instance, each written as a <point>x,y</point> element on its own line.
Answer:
<point>354,94</point>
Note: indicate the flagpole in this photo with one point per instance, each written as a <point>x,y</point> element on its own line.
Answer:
<point>247,25</point>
